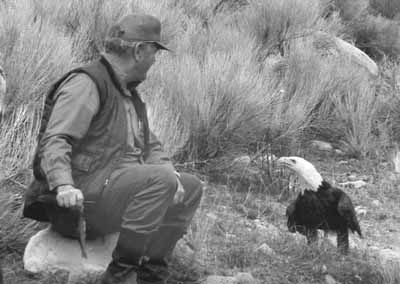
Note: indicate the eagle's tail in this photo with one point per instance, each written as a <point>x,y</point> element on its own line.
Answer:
<point>346,209</point>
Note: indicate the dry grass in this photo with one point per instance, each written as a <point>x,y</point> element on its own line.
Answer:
<point>387,8</point>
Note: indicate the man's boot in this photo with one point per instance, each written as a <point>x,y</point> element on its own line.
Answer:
<point>127,258</point>
<point>118,273</point>
<point>159,250</point>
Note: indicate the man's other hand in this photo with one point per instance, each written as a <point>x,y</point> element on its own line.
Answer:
<point>69,196</point>
<point>180,193</point>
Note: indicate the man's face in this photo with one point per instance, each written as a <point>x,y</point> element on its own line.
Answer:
<point>145,56</point>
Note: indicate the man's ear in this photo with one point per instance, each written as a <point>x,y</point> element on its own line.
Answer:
<point>139,50</point>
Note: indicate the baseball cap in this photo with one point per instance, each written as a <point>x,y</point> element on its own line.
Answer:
<point>134,28</point>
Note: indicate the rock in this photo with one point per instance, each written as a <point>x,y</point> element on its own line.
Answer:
<point>319,269</point>
<point>358,56</point>
<point>339,152</point>
<point>352,177</point>
<point>215,279</point>
<point>353,184</point>
<point>389,256</point>
<point>243,161</point>
<point>331,46</point>
<point>396,161</point>
<point>361,211</point>
<point>330,280</point>
<point>47,251</point>
<point>240,278</point>
<point>376,203</point>
<point>3,88</point>
<point>321,145</point>
<point>266,249</point>
<point>245,278</point>
<point>267,230</point>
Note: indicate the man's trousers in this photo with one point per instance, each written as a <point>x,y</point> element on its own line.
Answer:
<point>138,203</point>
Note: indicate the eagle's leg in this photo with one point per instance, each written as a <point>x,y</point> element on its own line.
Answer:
<point>312,236</point>
<point>343,241</point>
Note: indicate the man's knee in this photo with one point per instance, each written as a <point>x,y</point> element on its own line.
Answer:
<point>165,175</point>
<point>193,188</point>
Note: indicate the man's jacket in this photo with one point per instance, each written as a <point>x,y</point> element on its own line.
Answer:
<point>94,157</point>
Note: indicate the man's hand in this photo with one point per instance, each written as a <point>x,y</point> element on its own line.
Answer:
<point>180,193</point>
<point>69,196</point>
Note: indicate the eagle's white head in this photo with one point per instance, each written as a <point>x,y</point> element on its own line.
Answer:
<point>310,179</point>
<point>3,88</point>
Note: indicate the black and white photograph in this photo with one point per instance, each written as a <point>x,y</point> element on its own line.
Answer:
<point>200,142</point>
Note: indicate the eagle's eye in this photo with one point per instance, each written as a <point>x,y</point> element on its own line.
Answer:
<point>293,161</point>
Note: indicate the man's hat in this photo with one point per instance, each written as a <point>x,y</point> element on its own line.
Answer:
<point>134,28</point>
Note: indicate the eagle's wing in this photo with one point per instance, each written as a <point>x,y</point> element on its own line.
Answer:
<point>346,210</point>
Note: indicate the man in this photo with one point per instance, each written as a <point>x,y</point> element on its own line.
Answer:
<point>95,148</point>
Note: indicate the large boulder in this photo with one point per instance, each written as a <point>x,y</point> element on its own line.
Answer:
<point>332,46</point>
<point>48,252</point>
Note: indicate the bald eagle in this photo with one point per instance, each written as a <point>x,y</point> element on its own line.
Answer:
<point>319,206</point>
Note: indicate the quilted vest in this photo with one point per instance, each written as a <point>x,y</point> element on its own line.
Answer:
<point>94,157</point>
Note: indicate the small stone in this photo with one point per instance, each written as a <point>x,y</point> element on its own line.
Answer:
<point>212,216</point>
<point>351,177</point>
<point>264,248</point>
<point>320,269</point>
<point>245,278</point>
<point>230,236</point>
<point>243,161</point>
<point>339,152</point>
<point>359,183</point>
<point>376,203</point>
<point>215,279</point>
<point>330,280</point>
<point>321,145</point>
<point>361,211</point>
<point>353,184</point>
<point>268,230</point>
<point>396,161</point>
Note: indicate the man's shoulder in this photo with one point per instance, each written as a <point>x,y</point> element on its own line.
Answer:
<point>78,79</point>
<point>79,87</point>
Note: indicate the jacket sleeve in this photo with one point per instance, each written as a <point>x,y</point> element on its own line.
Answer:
<point>157,155</point>
<point>77,101</point>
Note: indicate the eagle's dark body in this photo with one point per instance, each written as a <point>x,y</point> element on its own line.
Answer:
<point>329,209</point>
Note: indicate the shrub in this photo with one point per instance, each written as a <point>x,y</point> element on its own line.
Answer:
<point>35,54</point>
<point>213,93</point>
<point>85,22</point>
<point>275,22</point>
<point>387,8</point>
<point>377,36</point>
